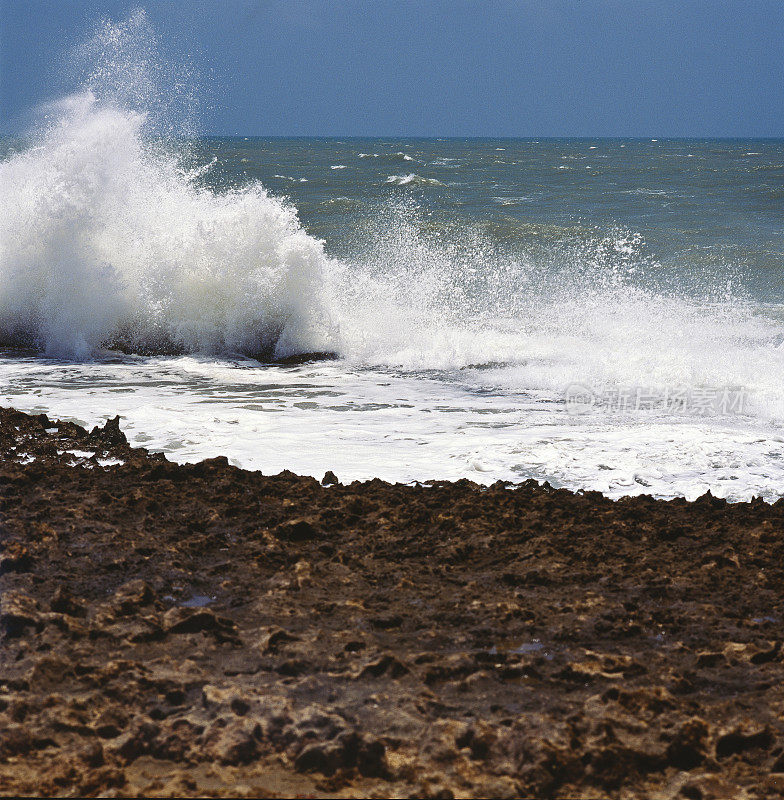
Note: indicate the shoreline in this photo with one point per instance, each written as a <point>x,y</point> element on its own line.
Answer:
<point>199,629</point>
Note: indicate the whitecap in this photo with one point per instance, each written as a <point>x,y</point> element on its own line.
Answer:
<point>412,179</point>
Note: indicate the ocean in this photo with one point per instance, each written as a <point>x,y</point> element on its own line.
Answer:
<point>600,314</point>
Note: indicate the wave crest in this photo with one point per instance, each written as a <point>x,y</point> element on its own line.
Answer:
<point>112,244</point>
<point>412,180</point>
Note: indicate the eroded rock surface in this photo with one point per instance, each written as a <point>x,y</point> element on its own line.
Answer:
<point>203,630</point>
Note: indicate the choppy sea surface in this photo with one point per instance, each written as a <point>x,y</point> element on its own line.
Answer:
<point>601,314</point>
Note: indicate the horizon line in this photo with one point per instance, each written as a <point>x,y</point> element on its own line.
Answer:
<point>457,137</point>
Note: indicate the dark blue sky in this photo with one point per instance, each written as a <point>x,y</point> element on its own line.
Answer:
<point>433,68</point>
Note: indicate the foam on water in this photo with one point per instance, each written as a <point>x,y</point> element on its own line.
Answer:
<point>452,302</point>
<point>368,423</point>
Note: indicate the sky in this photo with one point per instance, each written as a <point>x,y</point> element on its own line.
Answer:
<point>701,68</point>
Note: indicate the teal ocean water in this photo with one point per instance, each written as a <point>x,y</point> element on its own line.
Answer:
<point>601,314</point>
<point>702,216</point>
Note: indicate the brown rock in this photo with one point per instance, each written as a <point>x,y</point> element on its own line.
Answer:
<point>329,479</point>
<point>299,530</point>
<point>194,620</point>
<point>437,640</point>
<point>349,749</point>
<point>133,594</point>
<point>15,557</point>
<point>110,435</point>
<point>63,602</point>
<point>18,611</point>
<point>742,738</point>
<point>236,745</point>
<point>688,747</point>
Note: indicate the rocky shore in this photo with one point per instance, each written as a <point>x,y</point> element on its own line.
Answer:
<point>203,630</point>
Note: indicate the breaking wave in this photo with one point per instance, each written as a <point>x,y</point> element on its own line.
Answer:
<point>107,240</point>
